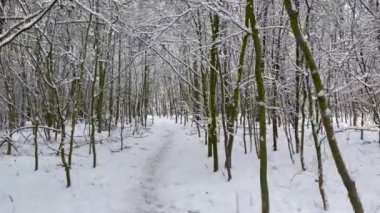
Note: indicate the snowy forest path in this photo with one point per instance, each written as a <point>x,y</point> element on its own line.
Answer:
<point>148,196</point>
<point>166,170</point>
<point>169,167</point>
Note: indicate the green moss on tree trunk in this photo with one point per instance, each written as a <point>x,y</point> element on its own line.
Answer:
<point>259,70</point>
<point>325,112</point>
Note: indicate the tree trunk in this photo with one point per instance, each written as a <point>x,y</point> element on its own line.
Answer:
<point>233,109</point>
<point>259,71</point>
<point>325,112</point>
<point>212,133</point>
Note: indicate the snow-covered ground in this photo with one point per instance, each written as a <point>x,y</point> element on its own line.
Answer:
<point>166,170</point>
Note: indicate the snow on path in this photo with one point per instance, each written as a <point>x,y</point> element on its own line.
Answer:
<point>171,170</point>
<point>166,170</point>
<point>183,181</point>
<point>123,182</point>
<point>148,198</point>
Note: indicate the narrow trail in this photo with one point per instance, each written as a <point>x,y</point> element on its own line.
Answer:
<point>148,196</point>
<point>168,169</point>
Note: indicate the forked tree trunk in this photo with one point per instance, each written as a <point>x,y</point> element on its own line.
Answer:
<point>232,111</point>
<point>78,95</point>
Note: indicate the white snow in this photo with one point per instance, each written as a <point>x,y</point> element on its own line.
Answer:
<point>166,170</point>
<point>321,93</point>
<point>328,112</point>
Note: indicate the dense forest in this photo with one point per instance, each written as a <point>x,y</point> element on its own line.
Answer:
<point>241,73</point>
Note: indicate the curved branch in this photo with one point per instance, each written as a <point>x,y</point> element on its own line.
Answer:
<point>24,25</point>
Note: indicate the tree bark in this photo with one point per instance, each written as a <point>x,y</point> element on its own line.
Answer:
<point>212,135</point>
<point>325,112</point>
<point>259,71</point>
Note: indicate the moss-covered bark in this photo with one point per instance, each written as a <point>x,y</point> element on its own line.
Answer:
<point>259,70</point>
<point>323,107</point>
<point>233,110</point>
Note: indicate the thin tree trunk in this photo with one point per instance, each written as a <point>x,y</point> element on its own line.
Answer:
<point>67,168</point>
<point>302,150</point>
<point>100,99</point>
<point>233,109</point>
<point>35,133</point>
<point>259,71</point>
<point>317,147</point>
<point>78,95</point>
<point>213,137</point>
